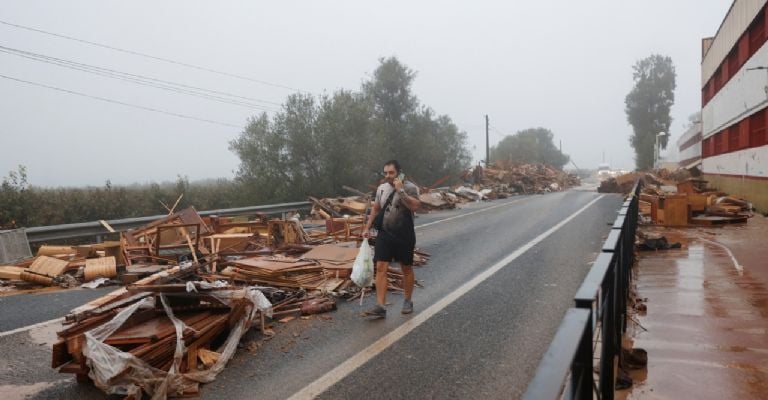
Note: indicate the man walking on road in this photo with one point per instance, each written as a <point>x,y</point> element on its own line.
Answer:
<point>392,216</point>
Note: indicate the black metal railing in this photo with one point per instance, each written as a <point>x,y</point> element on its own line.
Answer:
<point>600,307</point>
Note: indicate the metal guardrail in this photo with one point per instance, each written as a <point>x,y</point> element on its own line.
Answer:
<point>95,228</point>
<point>600,304</point>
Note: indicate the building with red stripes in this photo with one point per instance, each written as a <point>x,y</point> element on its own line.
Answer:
<point>734,101</point>
<point>689,146</point>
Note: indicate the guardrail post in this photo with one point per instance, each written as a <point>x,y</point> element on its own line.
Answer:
<point>608,349</point>
<point>581,369</point>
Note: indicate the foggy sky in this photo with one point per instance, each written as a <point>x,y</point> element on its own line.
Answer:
<point>562,65</point>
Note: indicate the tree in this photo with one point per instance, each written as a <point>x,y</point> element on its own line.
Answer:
<point>14,192</point>
<point>532,145</point>
<point>263,161</point>
<point>392,104</point>
<point>428,146</point>
<point>348,150</point>
<point>315,146</point>
<point>648,106</point>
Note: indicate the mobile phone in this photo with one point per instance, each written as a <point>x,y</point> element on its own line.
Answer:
<point>401,177</point>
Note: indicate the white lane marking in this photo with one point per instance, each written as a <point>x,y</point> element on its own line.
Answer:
<point>33,326</point>
<point>335,375</point>
<point>470,213</point>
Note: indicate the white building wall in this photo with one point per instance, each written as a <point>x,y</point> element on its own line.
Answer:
<point>737,21</point>
<point>693,151</point>
<point>751,162</point>
<point>744,94</point>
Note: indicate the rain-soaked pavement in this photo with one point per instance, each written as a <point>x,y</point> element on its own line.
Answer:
<point>706,325</point>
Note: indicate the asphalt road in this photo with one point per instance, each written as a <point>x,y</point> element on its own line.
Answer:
<point>21,310</point>
<point>487,343</point>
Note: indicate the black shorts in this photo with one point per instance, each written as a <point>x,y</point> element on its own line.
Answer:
<point>389,248</point>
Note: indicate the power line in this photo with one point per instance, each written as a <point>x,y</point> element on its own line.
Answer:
<point>497,132</point>
<point>140,79</point>
<point>120,102</point>
<point>149,56</point>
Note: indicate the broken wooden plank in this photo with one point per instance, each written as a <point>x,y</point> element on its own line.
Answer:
<point>207,357</point>
<point>44,269</point>
<point>11,272</point>
<point>105,267</point>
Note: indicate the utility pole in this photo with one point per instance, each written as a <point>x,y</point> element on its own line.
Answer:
<point>487,147</point>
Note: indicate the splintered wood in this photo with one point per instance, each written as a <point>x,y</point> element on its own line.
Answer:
<point>44,269</point>
<point>194,286</point>
<point>687,202</point>
<point>506,177</point>
<point>277,271</point>
<point>212,317</point>
<point>100,267</point>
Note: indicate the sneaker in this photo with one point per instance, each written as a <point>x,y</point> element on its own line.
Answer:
<point>407,307</point>
<point>377,311</point>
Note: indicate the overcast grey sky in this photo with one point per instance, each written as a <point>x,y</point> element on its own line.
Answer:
<point>563,65</point>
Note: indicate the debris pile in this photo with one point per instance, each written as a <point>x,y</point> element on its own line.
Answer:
<point>670,199</point>
<point>65,266</point>
<point>624,183</point>
<point>690,202</point>
<point>194,286</point>
<point>441,200</point>
<point>354,208</point>
<point>506,177</point>
<point>163,335</point>
<point>338,207</point>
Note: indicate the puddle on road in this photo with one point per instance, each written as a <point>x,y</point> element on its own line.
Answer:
<point>707,315</point>
<point>19,392</point>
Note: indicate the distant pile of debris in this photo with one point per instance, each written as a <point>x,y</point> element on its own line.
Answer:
<point>505,177</point>
<point>676,199</point>
<point>624,183</point>
<point>354,208</point>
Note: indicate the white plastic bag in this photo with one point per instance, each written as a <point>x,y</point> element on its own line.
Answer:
<point>362,269</point>
<point>118,372</point>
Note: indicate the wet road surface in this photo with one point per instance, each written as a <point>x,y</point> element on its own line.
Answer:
<point>707,317</point>
<point>487,342</point>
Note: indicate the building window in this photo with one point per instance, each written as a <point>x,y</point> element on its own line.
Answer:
<point>718,149</point>
<point>757,34</point>
<point>733,63</point>
<point>757,136</point>
<point>733,138</point>
<point>743,49</point>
